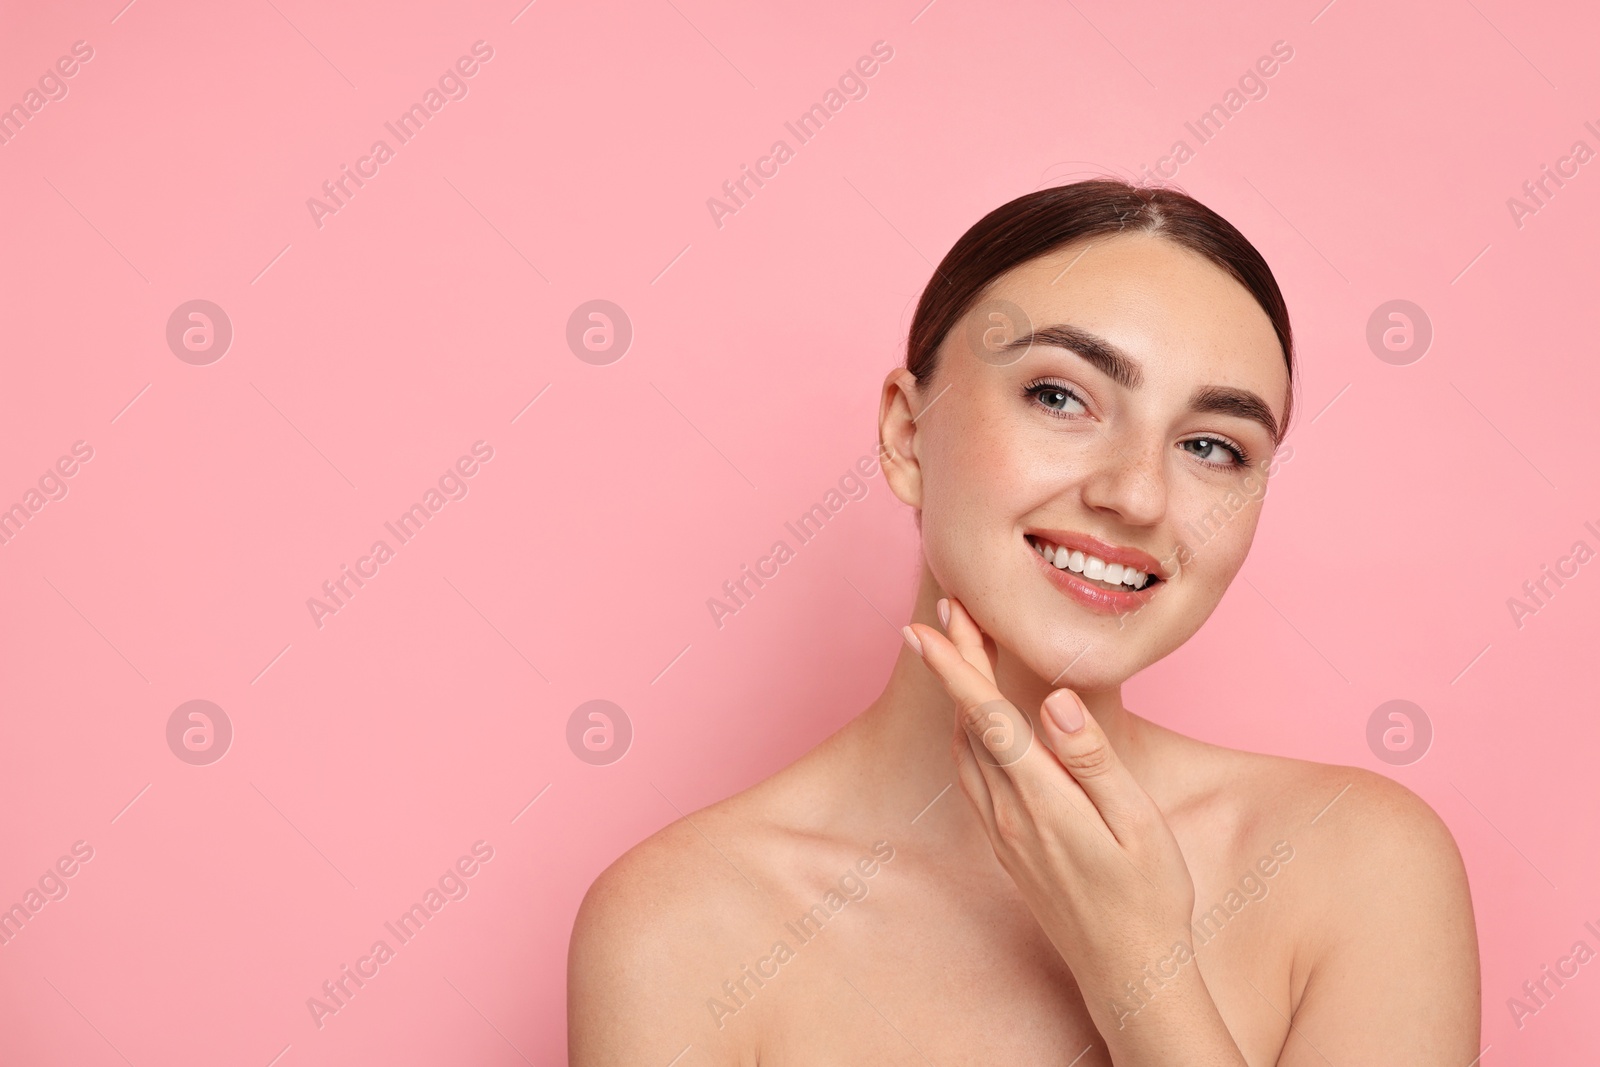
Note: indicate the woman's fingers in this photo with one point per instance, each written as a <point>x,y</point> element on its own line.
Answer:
<point>1072,733</point>
<point>965,635</point>
<point>980,706</point>
<point>1002,737</point>
<point>969,774</point>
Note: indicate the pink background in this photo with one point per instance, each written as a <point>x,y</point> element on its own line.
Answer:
<point>370,353</point>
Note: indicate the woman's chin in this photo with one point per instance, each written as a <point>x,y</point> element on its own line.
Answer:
<point>1079,662</point>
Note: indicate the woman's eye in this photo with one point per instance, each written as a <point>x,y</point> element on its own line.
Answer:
<point>1058,400</point>
<point>1215,451</point>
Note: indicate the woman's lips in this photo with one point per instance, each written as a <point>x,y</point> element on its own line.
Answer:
<point>1092,596</point>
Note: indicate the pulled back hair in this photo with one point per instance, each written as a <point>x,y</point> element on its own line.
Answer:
<point>1040,222</point>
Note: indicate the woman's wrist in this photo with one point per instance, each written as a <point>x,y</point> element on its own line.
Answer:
<point>1162,1014</point>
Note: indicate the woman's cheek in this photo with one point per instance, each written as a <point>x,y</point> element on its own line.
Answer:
<point>960,550</point>
<point>1210,565</point>
<point>951,550</point>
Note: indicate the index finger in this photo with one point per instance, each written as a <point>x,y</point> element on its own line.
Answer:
<point>1003,735</point>
<point>967,636</point>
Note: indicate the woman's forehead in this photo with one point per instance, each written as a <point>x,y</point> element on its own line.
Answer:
<point>1150,296</point>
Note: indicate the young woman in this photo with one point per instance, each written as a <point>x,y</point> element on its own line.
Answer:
<point>1095,373</point>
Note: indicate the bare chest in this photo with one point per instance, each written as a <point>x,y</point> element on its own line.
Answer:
<point>909,976</point>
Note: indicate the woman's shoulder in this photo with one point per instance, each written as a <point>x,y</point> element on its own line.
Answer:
<point>722,849</point>
<point>1376,886</point>
<point>1349,812</point>
<point>664,926</point>
<point>1373,860</point>
<point>691,880</point>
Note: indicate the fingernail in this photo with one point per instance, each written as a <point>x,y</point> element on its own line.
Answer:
<point>943,608</point>
<point>1063,708</point>
<point>912,639</point>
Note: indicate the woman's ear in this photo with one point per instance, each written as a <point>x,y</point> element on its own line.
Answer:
<point>897,436</point>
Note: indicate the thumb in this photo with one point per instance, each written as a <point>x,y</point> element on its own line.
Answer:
<point>1071,732</point>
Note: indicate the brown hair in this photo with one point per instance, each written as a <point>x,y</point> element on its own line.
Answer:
<point>1040,222</point>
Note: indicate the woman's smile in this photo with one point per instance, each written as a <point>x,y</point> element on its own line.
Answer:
<point>1099,576</point>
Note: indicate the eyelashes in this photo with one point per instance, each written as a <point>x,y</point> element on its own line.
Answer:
<point>1239,457</point>
<point>1039,389</point>
<point>1058,400</point>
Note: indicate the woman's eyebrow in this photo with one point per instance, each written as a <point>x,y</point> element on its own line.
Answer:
<point>1241,403</point>
<point>1110,360</point>
<point>1123,369</point>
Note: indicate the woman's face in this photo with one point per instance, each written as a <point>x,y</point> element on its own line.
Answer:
<point>1112,402</point>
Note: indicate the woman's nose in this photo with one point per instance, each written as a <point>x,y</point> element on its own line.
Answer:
<point>1128,478</point>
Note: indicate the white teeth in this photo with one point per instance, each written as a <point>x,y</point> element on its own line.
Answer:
<point>1092,566</point>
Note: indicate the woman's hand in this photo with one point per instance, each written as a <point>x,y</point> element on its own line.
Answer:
<point>1089,850</point>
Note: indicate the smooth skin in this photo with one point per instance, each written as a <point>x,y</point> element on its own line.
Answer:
<point>1069,883</point>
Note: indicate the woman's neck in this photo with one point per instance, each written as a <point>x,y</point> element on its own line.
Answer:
<point>908,730</point>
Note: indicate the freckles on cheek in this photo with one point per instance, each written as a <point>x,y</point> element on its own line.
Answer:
<point>986,467</point>
<point>967,509</point>
<point>1217,535</point>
